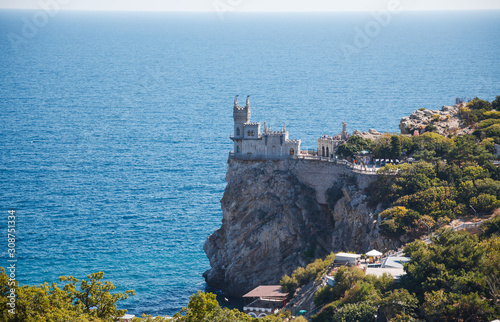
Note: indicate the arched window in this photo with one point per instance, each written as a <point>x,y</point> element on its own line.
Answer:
<point>237,131</point>
<point>237,149</point>
<point>327,152</point>
<point>323,151</point>
<point>292,151</point>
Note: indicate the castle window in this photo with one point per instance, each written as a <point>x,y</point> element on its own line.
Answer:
<point>238,149</point>
<point>248,133</point>
<point>327,152</point>
<point>323,151</point>
<point>292,151</point>
<point>253,133</point>
<point>237,131</point>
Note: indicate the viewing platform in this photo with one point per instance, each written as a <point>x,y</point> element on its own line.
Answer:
<point>357,168</point>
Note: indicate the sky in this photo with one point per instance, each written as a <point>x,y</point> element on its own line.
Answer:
<point>253,5</point>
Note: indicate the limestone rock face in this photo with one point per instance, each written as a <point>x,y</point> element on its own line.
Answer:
<point>275,213</point>
<point>446,120</point>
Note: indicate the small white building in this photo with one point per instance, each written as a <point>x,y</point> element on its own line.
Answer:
<point>345,258</point>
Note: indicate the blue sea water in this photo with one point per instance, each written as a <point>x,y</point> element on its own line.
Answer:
<point>115,126</point>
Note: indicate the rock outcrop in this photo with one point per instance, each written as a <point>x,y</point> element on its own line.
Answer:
<point>372,134</point>
<point>279,214</point>
<point>446,120</point>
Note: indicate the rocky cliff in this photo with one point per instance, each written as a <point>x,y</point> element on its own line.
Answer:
<point>277,215</point>
<point>445,120</point>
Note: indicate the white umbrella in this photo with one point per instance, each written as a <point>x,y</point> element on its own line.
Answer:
<point>374,253</point>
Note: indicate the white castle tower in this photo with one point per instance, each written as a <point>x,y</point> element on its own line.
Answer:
<point>249,141</point>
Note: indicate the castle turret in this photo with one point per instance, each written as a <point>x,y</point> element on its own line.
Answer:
<point>344,134</point>
<point>241,116</point>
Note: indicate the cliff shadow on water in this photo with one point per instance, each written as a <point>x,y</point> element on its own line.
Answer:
<point>279,215</point>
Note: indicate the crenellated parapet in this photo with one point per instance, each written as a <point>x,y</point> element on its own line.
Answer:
<point>241,114</point>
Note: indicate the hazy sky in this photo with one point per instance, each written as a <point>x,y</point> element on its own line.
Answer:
<point>254,5</point>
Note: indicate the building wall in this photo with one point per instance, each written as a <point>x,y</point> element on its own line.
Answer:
<point>251,130</point>
<point>330,143</point>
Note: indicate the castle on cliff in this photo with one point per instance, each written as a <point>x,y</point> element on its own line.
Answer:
<point>248,138</point>
<point>250,142</point>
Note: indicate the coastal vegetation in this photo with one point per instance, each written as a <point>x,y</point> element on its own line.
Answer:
<point>92,301</point>
<point>453,278</point>
<point>301,276</point>
<point>449,176</point>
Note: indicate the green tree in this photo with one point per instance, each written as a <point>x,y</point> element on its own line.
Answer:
<point>398,302</point>
<point>356,312</point>
<point>395,147</point>
<point>50,303</point>
<point>491,227</point>
<point>354,145</point>
<point>467,152</point>
<point>96,293</point>
<point>484,203</point>
<point>204,307</point>
<point>496,103</point>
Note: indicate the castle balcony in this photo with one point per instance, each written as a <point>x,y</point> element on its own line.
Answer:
<point>233,137</point>
<point>241,137</point>
<point>259,156</point>
<point>356,168</point>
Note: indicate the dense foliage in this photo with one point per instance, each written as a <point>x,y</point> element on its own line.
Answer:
<point>452,176</point>
<point>357,297</point>
<point>455,278</point>
<point>93,301</point>
<point>424,196</point>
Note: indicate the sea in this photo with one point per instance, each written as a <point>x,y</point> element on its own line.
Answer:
<point>115,126</point>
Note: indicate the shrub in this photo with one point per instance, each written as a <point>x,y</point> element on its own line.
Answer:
<point>325,314</point>
<point>360,312</point>
<point>301,276</point>
<point>492,114</point>
<point>430,128</point>
<point>491,227</point>
<point>323,295</point>
<point>289,284</point>
<point>488,122</point>
<point>484,203</point>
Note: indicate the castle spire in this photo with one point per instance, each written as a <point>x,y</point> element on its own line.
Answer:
<point>236,101</point>
<point>248,101</point>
